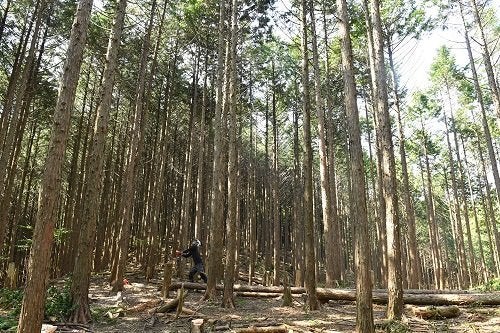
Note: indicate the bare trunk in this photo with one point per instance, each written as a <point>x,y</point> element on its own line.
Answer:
<point>328,227</point>
<point>413,254</point>
<point>95,164</point>
<point>30,320</point>
<point>384,134</point>
<point>134,153</point>
<point>217,199</point>
<point>364,311</point>
<point>232,187</point>
<point>275,191</point>
<point>310,261</point>
<point>495,91</point>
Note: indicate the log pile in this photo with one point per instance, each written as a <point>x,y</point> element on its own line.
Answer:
<point>415,297</point>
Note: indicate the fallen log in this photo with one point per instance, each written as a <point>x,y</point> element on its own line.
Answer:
<point>436,312</point>
<point>238,287</point>
<point>379,296</point>
<point>263,329</point>
<point>416,299</point>
<point>261,294</point>
<point>302,290</point>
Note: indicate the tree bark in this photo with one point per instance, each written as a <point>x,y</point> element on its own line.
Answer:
<point>95,164</point>
<point>480,99</point>
<point>134,153</point>
<point>328,227</point>
<point>277,279</point>
<point>364,311</point>
<point>232,167</point>
<point>217,199</point>
<point>30,320</point>
<point>384,134</point>
<point>310,274</point>
<point>413,253</point>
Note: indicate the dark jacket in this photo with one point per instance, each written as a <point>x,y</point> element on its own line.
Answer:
<point>194,252</point>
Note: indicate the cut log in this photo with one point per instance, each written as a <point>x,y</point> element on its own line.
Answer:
<point>46,328</point>
<point>436,312</point>
<point>197,326</point>
<point>380,297</point>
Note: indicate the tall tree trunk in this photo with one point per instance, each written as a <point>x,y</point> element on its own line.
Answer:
<point>433,229</point>
<point>490,214</point>
<point>200,184</point>
<point>413,255</point>
<point>19,94</point>
<point>381,241</point>
<point>364,310</point>
<point>328,227</point>
<point>95,163</point>
<point>480,99</point>
<point>338,263</point>
<point>310,274</point>
<point>395,287</point>
<point>217,199</point>
<point>252,205</point>
<point>30,320</point>
<point>463,279</point>
<point>298,202</point>
<point>275,190</point>
<point>17,73</point>
<point>492,82</point>
<point>483,277</point>
<point>232,187</point>
<point>134,153</point>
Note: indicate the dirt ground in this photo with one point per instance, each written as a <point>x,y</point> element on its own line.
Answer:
<point>134,309</point>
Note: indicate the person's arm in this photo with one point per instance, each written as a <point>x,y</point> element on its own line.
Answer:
<point>186,253</point>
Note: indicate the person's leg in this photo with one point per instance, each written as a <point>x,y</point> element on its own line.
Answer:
<point>192,272</point>
<point>201,270</point>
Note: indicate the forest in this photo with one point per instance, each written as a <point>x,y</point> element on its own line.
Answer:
<point>319,167</point>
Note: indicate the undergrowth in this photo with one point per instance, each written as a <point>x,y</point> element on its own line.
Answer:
<point>491,285</point>
<point>57,305</point>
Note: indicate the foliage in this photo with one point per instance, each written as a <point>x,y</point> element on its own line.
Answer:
<point>8,323</point>
<point>11,300</point>
<point>58,301</point>
<point>395,326</point>
<point>100,314</point>
<point>491,285</point>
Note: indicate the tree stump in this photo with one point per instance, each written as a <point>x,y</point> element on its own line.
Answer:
<point>11,279</point>
<point>181,302</point>
<point>197,325</point>
<point>167,278</point>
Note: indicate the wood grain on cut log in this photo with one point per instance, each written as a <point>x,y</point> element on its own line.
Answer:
<point>379,296</point>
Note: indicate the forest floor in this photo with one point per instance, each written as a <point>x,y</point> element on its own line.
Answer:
<point>136,304</point>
